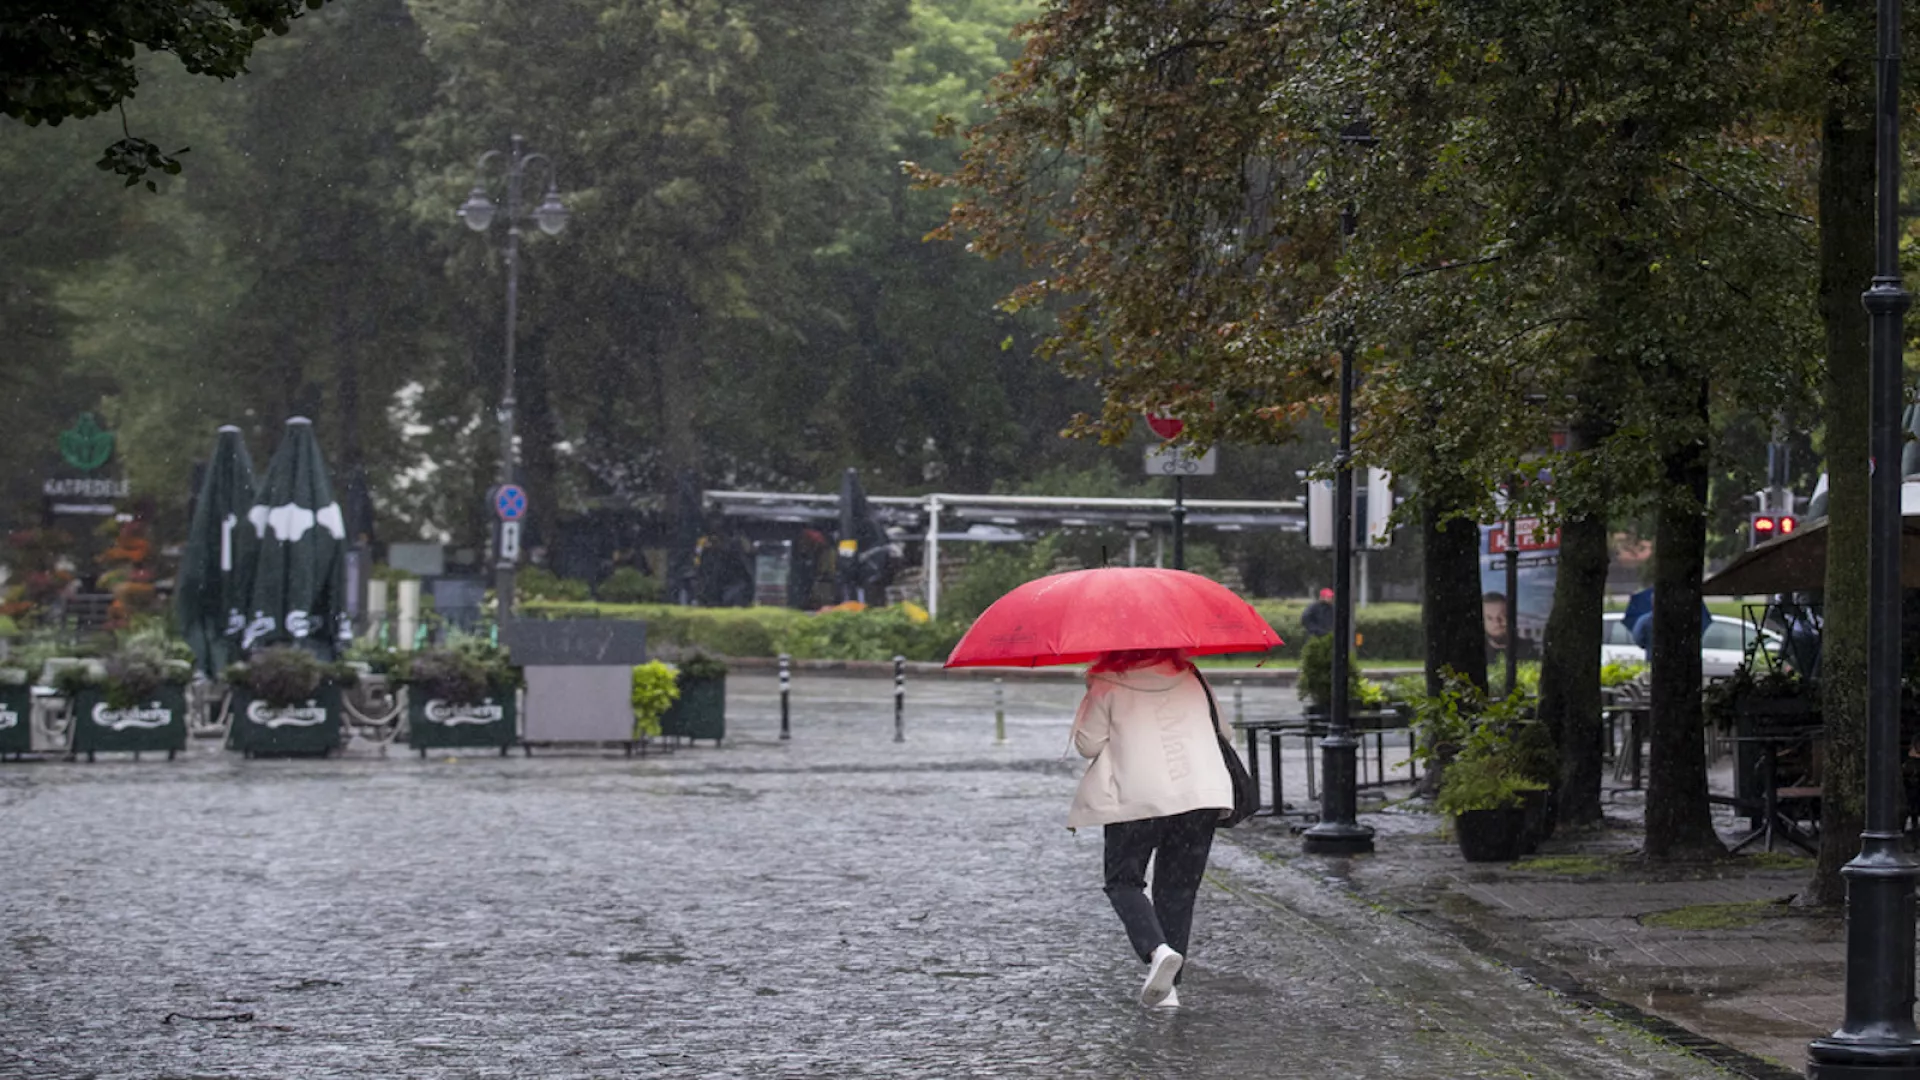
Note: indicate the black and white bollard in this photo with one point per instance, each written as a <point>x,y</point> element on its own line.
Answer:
<point>899,699</point>
<point>999,711</point>
<point>786,685</point>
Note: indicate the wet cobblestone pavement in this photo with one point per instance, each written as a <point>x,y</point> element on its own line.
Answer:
<point>838,905</point>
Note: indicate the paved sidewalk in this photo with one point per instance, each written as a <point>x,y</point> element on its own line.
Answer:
<point>839,905</point>
<point>1717,949</point>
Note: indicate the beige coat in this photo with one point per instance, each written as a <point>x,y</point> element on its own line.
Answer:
<point>1153,748</point>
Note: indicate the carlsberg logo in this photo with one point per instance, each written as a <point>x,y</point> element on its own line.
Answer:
<point>8,718</point>
<point>152,716</point>
<point>308,715</point>
<point>441,712</point>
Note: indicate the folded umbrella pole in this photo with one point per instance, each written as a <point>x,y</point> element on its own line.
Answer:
<point>1073,618</point>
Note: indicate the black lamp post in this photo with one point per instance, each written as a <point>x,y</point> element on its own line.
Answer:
<point>1877,1037</point>
<point>551,216</point>
<point>1337,832</point>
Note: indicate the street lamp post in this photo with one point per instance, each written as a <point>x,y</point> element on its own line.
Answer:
<point>551,216</point>
<point>1877,1037</point>
<point>1338,832</point>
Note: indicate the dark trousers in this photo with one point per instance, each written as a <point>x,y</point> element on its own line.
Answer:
<point>1178,846</point>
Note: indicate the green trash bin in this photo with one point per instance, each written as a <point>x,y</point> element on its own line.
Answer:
<point>432,723</point>
<point>16,720</point>
<point>311,727</point>
<point>157,723</point>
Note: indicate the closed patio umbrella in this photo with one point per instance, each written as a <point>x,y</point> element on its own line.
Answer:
<point>297,561</point>
<point>211,595</point>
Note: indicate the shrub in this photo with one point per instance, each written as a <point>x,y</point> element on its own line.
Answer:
<point>1316,675</point>
<point>1386,631</point>
<point>1619,673</point>
<point>1483,783</point>
<point>539,583</point>
<point>465,671</point>
<point>700,665</point>
<point>129,675</point>
<point>655,689</point>
<point>994,571</point>
<point>628,585</point>
<point>877,634</point>
<point>280,676</point>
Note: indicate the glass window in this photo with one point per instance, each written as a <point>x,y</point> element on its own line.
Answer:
<point>1617,632</point>
<point>1721,635</point>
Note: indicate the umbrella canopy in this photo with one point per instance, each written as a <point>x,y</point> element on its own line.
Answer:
<point>295,551</point>
<point>1072,618</point>
<point>1798,562</point>
<point>211,596</point>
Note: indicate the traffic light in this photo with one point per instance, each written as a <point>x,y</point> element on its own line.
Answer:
<point>1764,527</point>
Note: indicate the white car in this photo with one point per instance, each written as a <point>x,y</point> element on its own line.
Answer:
<point>1723,644</point>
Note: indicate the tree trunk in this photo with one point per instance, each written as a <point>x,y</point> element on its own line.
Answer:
<point>1450,570</point>
<point>1570,659</point>
<point>1846,268</point>
<point>1450,615</point>
<point>1679,820</point>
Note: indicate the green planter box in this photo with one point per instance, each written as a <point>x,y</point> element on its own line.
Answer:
<point>159,723</point>
<point>254,727</point>
<point>701,712</point>
<point>431,724</point>
<point>16,719</point>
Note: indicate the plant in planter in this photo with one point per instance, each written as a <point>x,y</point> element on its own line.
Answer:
<point>460,694</point>
<point>286,700</point>
<point>700,712</point>
<point>655,689</point>
<point>132,699</point>
<point>1486,794</point>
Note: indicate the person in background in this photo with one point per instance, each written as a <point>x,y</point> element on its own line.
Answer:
<point>1158,785</point>
<point>1317,619</point>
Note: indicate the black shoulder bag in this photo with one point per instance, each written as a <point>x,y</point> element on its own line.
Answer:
<point>1246,797</point>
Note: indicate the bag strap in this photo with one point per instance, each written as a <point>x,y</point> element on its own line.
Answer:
<point>1213,707</point>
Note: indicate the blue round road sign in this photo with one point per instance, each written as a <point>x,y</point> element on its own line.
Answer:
<point>510,502</point>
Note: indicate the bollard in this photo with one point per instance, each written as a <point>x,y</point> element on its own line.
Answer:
<point>1238,713</point>
<point>786,684</point>
<point>899,699</point>
<point>999,711</point>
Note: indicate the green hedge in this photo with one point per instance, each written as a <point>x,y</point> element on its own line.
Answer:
<point>1387,631</point>
<point>879,634</point>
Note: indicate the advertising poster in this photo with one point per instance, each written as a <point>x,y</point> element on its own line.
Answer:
<point>1539,564</point>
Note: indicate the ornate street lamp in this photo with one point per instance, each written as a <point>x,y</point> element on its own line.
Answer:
<point>551,217</point>
<point>1877,1037</point>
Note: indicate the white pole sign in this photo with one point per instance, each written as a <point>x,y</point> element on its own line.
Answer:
<point>1174,461</point>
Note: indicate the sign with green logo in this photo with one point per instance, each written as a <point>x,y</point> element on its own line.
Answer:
<point>85,446</point>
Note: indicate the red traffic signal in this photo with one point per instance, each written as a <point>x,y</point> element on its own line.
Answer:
<point>1764,527</point>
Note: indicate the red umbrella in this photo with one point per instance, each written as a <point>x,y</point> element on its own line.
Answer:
<point>1073,618</point>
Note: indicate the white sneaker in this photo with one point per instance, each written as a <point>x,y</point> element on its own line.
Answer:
<point>1160,972</point>
<point>1171,1001</point>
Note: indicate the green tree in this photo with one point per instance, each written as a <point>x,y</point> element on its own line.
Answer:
<point>65,60</point>
<point>1540,220</point>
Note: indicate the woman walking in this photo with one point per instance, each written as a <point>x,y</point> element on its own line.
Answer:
<point>1159,786</point>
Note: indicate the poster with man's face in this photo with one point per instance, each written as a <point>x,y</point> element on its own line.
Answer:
<point>1539,565</point>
